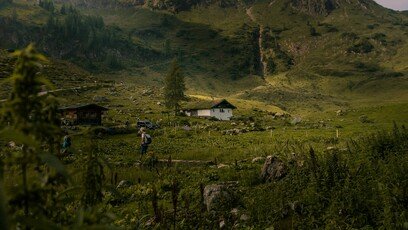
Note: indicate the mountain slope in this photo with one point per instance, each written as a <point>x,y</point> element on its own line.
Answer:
<point>70,35</point>
<point>333,48</point>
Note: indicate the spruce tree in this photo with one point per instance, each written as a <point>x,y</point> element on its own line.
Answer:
<point>174,88</point>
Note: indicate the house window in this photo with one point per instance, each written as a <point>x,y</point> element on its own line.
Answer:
<point>221,110</point>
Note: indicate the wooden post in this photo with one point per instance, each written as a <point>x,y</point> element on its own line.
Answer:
<point>337,133</point>
<point>169,161</point>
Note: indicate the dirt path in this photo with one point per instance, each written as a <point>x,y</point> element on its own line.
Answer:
<point>166,161</point>
<point>250,15</point>
<point>59,90</point>
<point>185,161</point>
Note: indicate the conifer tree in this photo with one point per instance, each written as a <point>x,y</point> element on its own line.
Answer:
<point>174,87</point>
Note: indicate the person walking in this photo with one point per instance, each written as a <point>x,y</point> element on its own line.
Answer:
<point>66,144</point>
<point>146,139</point>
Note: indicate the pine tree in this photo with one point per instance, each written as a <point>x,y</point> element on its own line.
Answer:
<point>174,88</point>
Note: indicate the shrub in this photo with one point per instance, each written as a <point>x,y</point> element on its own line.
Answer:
<point>362,47</point>
<point>372,26</point>
<point>379,37</point>
<point>364,119</point>
<point>349,35</point>
<point>363,187</point>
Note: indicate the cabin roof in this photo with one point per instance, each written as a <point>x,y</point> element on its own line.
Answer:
<point>83,106</point>
<point>210,105</point>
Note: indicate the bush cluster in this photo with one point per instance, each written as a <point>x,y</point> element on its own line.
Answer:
<point>364,186</point>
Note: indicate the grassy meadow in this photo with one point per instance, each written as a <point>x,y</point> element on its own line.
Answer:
<point>333,114</point>
<point>217,158</point>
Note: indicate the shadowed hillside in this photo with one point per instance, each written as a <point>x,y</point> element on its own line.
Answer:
<point>333,48</point>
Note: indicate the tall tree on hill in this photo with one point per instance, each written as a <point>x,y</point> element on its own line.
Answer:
<point>174,88</point>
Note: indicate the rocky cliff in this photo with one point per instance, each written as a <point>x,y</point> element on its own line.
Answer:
<point>325,7</point>
<point>170,5</point>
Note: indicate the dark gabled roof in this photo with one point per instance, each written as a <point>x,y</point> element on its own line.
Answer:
<point>82,106</point>
<point>210,105</point>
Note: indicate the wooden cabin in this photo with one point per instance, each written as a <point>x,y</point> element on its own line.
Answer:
<point>221,110</point>
<point>82,114</point>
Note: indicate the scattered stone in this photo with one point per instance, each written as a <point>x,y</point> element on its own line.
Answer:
<point>235,211</point>
<point>258,159</point>
<point>279,115</point>
<point>244,217</point>
<point>344,150</point>
<point>147,92</point>
<point>222,224</point>
<point>233,131</point>
<point>331,148</point>
<point>124,184</point>
<point>296,207</point>
<point>221,166</point>
<point>150,222</point>
<point>218,197</point>
<point>14,146</point>
<point>159,103</point>
<point>11,144</point>
<point>273,169</point>
<point>296,120</point>
<point>100,99</point>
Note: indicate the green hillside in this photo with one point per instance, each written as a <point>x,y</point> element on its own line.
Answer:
<point>339,49</point>
<point>352,40</point>
<point>66,33</point>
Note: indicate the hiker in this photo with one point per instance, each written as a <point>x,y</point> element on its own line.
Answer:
<point>66,144</point>
<point>146,140</point>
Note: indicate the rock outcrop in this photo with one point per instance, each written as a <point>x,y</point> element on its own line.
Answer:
<point>218,197</point>
<point>124,184</point>
<point>274,169</point>
<point>315,7</point>
<point>325,7</point>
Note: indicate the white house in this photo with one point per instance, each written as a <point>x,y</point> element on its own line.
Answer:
<point>222,110</point>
